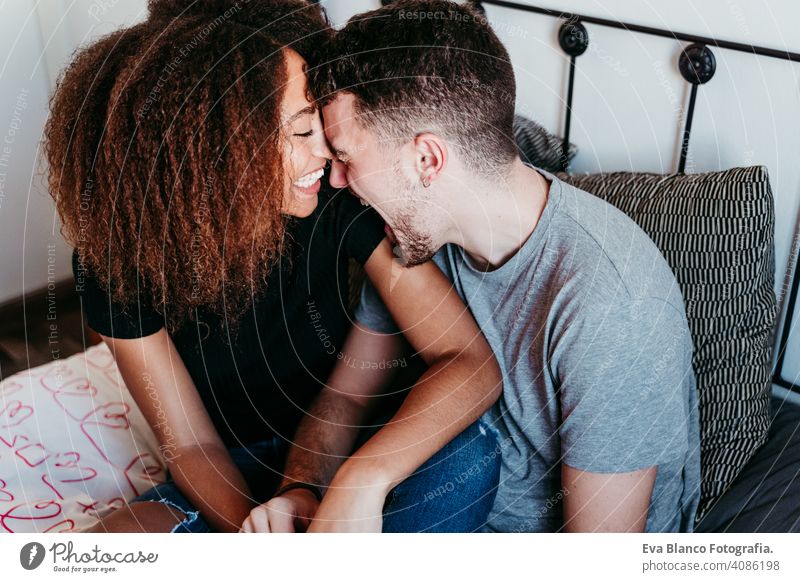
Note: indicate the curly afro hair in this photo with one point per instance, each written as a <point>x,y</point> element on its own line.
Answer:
<point>164,152</point>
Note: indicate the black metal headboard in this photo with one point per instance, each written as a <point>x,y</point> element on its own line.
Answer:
<point>697,66</point>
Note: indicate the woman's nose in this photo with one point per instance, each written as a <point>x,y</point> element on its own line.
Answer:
<point>320,148</point>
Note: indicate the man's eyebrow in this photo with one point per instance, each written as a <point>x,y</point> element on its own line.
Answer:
<point>304,111</point>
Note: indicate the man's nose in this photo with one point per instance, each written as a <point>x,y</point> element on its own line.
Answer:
<point>338,177</point>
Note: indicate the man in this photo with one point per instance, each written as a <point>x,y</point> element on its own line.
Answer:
<point>597,423</point>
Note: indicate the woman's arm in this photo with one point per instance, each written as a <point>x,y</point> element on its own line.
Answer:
<point>197,459</point>
<point>463,380</point>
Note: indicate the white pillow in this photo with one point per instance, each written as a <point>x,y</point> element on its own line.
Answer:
<point>73,445</point>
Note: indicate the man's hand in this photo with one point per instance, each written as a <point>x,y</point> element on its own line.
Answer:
<point>291,512</point>
<point>350,509</point>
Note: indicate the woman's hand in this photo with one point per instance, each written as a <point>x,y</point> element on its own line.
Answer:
<point>289,513</point>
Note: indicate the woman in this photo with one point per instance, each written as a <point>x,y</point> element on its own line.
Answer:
<point>186,161</point>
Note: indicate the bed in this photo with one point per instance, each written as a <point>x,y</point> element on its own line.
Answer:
<point>765,497</point>
<point>73,445</point>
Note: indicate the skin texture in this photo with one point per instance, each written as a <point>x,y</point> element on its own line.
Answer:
<point>489,215</point>
<point>326,436</point>
<point>491,218</point>
<point>600,502</point>
<point>361,163</point>
<point>462,382</point>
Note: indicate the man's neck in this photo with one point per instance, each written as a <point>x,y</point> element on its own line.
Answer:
<point>495,219</point>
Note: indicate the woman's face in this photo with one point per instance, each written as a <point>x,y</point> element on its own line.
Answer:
<point>306,151</point>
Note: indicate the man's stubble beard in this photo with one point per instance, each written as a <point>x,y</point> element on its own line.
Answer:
<point>413,246</point>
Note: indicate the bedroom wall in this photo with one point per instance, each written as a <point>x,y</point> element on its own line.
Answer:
<point>24,202</point>
<point>36,41</point>
<point>629,97</point>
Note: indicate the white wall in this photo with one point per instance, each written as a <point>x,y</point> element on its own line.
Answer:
<point>67,24</point>
<point>630,99</point>
<point>36,41</point>
<point>26,215</point>
<point>340,10</point>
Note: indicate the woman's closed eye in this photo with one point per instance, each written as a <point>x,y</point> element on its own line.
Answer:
<point>308,133</point>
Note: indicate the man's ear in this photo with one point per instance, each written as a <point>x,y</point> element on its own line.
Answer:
<point>430,157</point>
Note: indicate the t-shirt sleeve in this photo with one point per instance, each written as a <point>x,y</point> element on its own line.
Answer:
<point>107,317</point>
<point>624,372</point>
<point>372,313</point>
<point>359,227</point>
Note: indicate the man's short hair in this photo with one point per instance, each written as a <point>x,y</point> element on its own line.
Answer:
<point>426,65</point>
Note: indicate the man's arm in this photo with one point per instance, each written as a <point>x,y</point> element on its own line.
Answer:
<point>463,380</point>
<point>326,435</point>
<point>606,502</point>
<point>624,373</point>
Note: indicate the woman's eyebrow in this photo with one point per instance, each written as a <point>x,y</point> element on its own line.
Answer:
<point>304,111</point>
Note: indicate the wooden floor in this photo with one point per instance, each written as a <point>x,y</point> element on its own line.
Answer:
<point>45,328</point>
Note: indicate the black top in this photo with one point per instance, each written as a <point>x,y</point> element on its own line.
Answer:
<point>288,341</point>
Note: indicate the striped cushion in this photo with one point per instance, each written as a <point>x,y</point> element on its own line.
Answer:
<point>716,231</point>
<point>539,147</point>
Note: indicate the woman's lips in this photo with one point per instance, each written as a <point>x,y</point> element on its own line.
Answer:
<point>308,186</point>
<point>310,191</point>
<point>310,178</point>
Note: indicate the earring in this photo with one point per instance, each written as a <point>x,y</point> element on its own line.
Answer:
<point>425,183</point>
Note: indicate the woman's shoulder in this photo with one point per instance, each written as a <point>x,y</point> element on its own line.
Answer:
<point>108,317</point>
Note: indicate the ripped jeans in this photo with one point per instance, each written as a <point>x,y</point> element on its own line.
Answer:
<point>452,492</point>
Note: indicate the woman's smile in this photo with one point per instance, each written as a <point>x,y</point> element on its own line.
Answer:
<point>308,186</point>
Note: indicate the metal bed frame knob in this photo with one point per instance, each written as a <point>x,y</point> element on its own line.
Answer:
<point>697,64</point>
<point>573,38</point>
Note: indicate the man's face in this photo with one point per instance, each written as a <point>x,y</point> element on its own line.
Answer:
<point>376,173</point>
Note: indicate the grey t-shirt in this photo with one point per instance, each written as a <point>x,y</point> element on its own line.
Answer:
<point>589,328</point>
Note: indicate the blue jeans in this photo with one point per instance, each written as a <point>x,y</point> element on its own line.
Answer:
<point>452,492</point>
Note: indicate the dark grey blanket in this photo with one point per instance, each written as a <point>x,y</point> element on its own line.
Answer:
<point>765,497</point>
